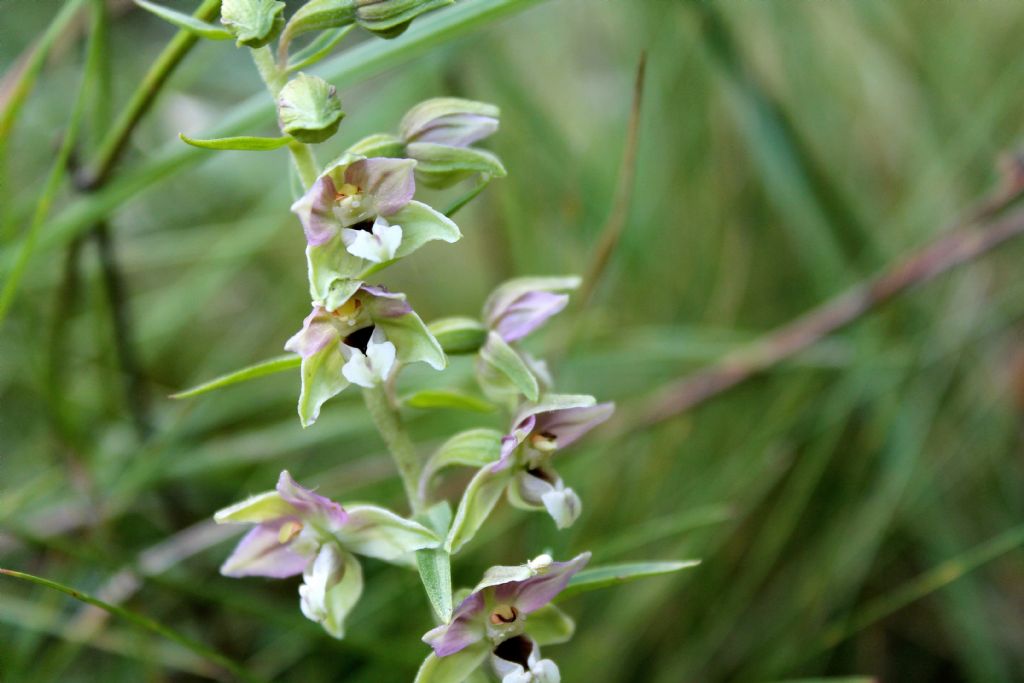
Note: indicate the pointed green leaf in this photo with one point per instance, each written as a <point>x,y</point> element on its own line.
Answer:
<point>243,143</point>
<point>503,358</point>
<point>261,369</point>
<point>186,21</point>
<point>435,564</point>
<point>377,532</point>
<point>448,398</point>
<point>614,574</point>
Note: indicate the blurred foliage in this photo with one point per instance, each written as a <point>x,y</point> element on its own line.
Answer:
<point>787,149</point>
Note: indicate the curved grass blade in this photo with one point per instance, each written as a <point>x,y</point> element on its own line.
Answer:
<point>614,574</point>
<point>139,620</point>
<point>186,21</point>
<point>267,367</point>
<point>243,143</point>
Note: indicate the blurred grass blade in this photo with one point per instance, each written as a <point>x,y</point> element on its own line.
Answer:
<point>614,574</point>
<point>139,620</point>
<point>267,367</point>
<point>243,143</point>
<point>17,93</point>
<point>349,68</point>
<point>932,580</point>
<point>186,21</point>
<point>319,48</point>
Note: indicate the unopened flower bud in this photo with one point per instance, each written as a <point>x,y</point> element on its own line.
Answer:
<point>390,18</point>
<point>309,109</point>
<point>254,23</point>
<point>439,132</point>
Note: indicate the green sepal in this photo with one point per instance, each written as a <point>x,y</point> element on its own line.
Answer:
<point>434,564</point>
<point>254,23</point>
<point>186,21</point>
<point>459,334</point>
<point>444,165</point>
<point>497,354</point>
<point>308,109</point>
<point>244,143</point>
<point>321,380</point>
<point>410,336</point>
<point>471,448</point>
<point>550,626</point>
<point>255,509</point>
<point>477,502</point>
<point>455,668</point>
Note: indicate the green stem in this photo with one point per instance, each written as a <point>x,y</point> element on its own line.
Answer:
<point>389,424</point>
<point>275,78</point>
<point>142,99</point>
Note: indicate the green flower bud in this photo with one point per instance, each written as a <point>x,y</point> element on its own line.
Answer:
<point>390,18</point>
<point>254,23</point>
<point>378,145</point>
<point>309,109</point>
<point>319,15</point>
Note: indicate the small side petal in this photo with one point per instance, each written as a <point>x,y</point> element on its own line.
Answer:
<point>261,553</point>
<point>532,594</point>
<point>315,210</point>
<point>527,313</point>
<point>389,184</point>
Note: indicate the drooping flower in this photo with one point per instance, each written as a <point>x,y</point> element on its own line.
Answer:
<point>524,469</point>
<point>360,215</point>
<point>514,310</point>
<point>358,342</point>
<point>437,133</point>
<point>499,608</point>
<point>301,532</point>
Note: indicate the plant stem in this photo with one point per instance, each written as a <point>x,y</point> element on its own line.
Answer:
<point>142,99</point>
<point>389,424</point>
<point>275,78</point>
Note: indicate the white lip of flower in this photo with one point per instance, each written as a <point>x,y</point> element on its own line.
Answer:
<point>533,670</point>
<point>373,367</point>
<point>324,570</point>
<point>377,245</point>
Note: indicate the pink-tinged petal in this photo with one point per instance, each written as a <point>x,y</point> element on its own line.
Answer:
<point>316,333</point>
<point>315,210</point>
<point>261,553</point>
<point>457,130</point>
<point>526,313</point>
<point>533,593</point>
<point>388,183</point>
<point>510,442</point>
<point>384,303</point>
<point>465,628</point>
<point>570,424</point>
<point>309,505</point>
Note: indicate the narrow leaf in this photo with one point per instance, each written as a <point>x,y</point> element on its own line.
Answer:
<point>448,398</point>
<point>138,620</point>
<point>614,574</point>
<point>243,143</point>
<point>267,367</point>
<point>472,448</point>
<point>186,21</point>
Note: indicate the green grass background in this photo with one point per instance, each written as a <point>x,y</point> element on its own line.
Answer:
<point>788,148</point>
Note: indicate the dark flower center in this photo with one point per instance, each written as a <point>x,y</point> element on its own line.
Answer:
<point>516,650</point>
<point>365,226</point>
<point>359,339</point>
<point>541,474</point>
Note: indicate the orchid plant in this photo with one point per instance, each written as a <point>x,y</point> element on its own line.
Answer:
<point>360,215</point>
